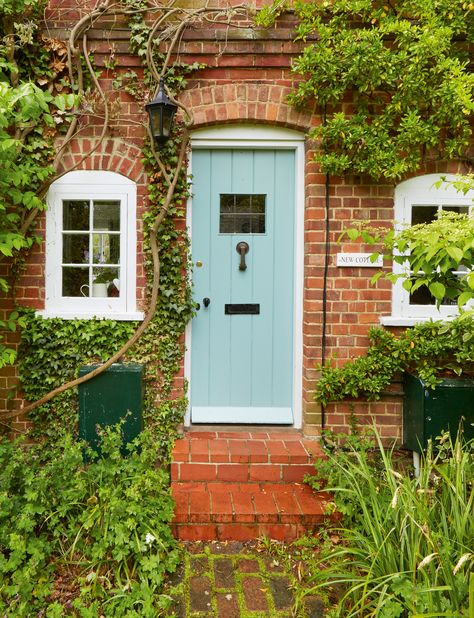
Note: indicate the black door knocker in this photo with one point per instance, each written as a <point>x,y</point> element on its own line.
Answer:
<point>242,249</point>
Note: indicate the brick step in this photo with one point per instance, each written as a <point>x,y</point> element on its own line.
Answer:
<point>243,511</point>
<point>243,457</point>
<point>240,472</point>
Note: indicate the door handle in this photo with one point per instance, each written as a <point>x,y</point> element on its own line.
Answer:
<point>206,302</point>
<point>242,248</point>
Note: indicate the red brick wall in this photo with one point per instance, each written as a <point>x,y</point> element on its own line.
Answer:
<point>247,79</point>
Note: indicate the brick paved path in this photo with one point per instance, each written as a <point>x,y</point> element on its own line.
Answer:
<point>233,580</point>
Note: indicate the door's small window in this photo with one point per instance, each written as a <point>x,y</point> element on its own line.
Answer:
<point>242,213</point>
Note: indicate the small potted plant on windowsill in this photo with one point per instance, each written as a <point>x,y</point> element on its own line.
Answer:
<point>103,281</point>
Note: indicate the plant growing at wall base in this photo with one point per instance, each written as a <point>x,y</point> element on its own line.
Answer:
<point>84,540</point>
<point>404,545</point>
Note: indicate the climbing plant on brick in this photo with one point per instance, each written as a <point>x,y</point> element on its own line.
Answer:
<point>392,80</point>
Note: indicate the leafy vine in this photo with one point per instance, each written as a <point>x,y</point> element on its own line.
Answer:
<point>433,350</point>
<point>393,81</point>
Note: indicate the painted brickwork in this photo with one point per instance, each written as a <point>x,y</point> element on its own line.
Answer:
<point>247,79</point>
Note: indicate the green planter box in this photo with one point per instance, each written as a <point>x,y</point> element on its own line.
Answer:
<point>427,412</point>
<point>112,396</point>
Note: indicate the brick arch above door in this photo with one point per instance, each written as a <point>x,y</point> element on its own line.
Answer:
<point>247,102</point>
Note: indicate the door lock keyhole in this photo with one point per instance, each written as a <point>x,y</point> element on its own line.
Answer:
<point>242,249</point>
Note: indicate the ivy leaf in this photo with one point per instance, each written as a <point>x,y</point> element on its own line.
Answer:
<point>353,233</point>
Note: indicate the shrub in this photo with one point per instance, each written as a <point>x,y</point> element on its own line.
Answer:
<point>84,539</point>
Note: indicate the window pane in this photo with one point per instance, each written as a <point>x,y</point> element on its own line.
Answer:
<point>242,203</point>
<point>107,215</point>
<point>226,224</point>
<point>242,213</point>
<point>106,248</point>
<point>422,296</point>
<point>258,203</point>
<point>75,215</point>
<point>242,224</point>
<point>258,224</point>
<point>464,210</point>
<point>423,214</point>
<point>227,203</point>
<point>105,282</point>
<point>75,281</point>
<point>75,248</point>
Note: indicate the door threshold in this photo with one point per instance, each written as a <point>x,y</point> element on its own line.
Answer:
<point>196,428</point>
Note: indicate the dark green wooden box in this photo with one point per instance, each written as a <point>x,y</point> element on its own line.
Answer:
<point>427,412</point>
<point>107,399</point>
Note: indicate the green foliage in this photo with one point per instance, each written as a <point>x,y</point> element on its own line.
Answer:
<point>429,254</point>
<point>84,540</point>
<point>462,183</point>
<point>30,117</point>
<point>429,350</point>
<point>393,80</point>
<point>51,352</point>
<point>404,545</point>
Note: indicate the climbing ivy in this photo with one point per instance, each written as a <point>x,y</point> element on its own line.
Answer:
<point>432,350</point>
<point>392,80</point>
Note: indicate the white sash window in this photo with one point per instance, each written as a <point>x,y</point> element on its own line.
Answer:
<point>91,247</point>
<point>417,201</point>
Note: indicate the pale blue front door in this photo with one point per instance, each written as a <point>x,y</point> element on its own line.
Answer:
<point>243,269</point>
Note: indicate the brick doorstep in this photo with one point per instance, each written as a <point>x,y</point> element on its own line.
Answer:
<point>238,486</point>
<point>220,447</point>
<point>242,472</point>
<point>235,512</point>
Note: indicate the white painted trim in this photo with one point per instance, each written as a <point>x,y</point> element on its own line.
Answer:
<point>420,191</point>
<point>136,316</point>
<point>250,415</point>
<point>267,138</point>
<point>394,320</point>
<point>251,133</point>
<point>92,185</point>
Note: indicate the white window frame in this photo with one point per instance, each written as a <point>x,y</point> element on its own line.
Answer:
<point>420,191</point>
<point>91,185</point>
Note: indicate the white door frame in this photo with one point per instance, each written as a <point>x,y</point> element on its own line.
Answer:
<point>268,138</point>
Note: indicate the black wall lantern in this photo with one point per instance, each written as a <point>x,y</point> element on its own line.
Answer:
<point>161,112</point>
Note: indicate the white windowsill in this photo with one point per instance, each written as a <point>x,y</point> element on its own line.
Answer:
<point>88,315</point>
<point>397,320</point>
